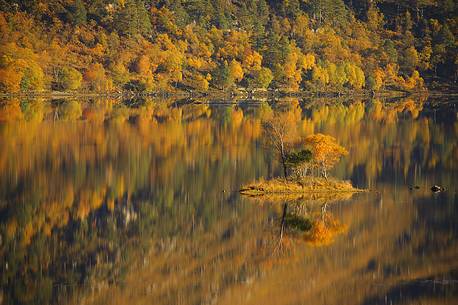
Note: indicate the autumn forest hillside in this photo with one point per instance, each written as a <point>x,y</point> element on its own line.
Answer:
<point>208,45</point>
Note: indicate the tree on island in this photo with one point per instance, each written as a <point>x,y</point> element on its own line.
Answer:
<point>326,152</point>
<point>317,152</point>
<point>316,155</point>
<point>299,162</point>
<point>280,133</point>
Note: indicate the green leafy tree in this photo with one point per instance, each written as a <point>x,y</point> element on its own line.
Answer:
<point>201,12</point>
<point>262,78</point>
<point>69,79</point>
<point>223,14</point>
<point>299,162</point>
<point>33,78</point>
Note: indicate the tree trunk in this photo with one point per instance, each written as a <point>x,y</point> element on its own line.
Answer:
<point>304,172</point>
<point>283,220</point>
<point>283,160</point>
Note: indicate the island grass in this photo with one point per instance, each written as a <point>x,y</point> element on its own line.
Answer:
<point>297,187</point>
<point>306,198</point>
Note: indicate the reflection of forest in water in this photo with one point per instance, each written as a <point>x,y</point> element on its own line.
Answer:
<point>98,196</point>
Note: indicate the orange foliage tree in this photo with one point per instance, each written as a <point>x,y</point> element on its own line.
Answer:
<point>325,151</point>
<point>96,78</point>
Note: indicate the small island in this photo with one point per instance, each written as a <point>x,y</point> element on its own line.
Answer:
<point>305,184</point>
<point>297,186</point>
<point>305,170</point>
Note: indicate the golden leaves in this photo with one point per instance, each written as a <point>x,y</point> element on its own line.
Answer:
<point>96,77</point>
<point>325,150</point>
<point>143,65</point>
<point>324,230</point>
<point>235,70</point>
<point>252,61</point>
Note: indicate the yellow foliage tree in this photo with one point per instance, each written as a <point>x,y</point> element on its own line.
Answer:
<point>235,71</point>
<point>295,64</point>
<point>252,61</point>
<point>10,78</point>
<point>320,76</point>
<point>262,78</point>
<point>197,81</point>
<point>325,151</point>
<point>20,71</point>
<point>337,74</point>
<point>96,78</point>
<point>374,18</point>
<point>119,73</point>
<point>414,81</point>
<point>391,75</point>
<point>69,79</point>
<point>379,78</point>
<point>355,75</point>
<point>236,45</point>
<point>143,65</point>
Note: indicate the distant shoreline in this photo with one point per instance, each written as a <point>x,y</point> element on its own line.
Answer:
<point>241,93</point>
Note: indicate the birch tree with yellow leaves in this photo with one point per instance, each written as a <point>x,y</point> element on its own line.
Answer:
<point>326,152</point>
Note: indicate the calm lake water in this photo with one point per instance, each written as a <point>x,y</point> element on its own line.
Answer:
<point>109,202</point>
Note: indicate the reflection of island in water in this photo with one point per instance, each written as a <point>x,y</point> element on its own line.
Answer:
<point>100,202</point>
<point>317,228</point>
<point>303,219</point>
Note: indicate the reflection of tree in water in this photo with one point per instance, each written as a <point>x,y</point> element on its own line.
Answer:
<point>307,221</point>
<point>90,252</point>
<point>76,200</point>
<point>324,229</point>
<point>82,238</point>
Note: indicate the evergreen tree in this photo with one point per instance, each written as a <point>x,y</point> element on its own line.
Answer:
<point>133,19</point>
<point>96,10</point>
<point>201,11</point>
<point>181,15</point>
<point>331,12</point>
<point>77,13</point>
<point>30,6</point>
<point>260,21</point>
<point>286,8</point>
<point>444,50</point>
<point>223,14</point>
<point>221,77</point>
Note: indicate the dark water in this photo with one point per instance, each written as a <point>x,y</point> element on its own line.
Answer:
<point>104,202</point>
